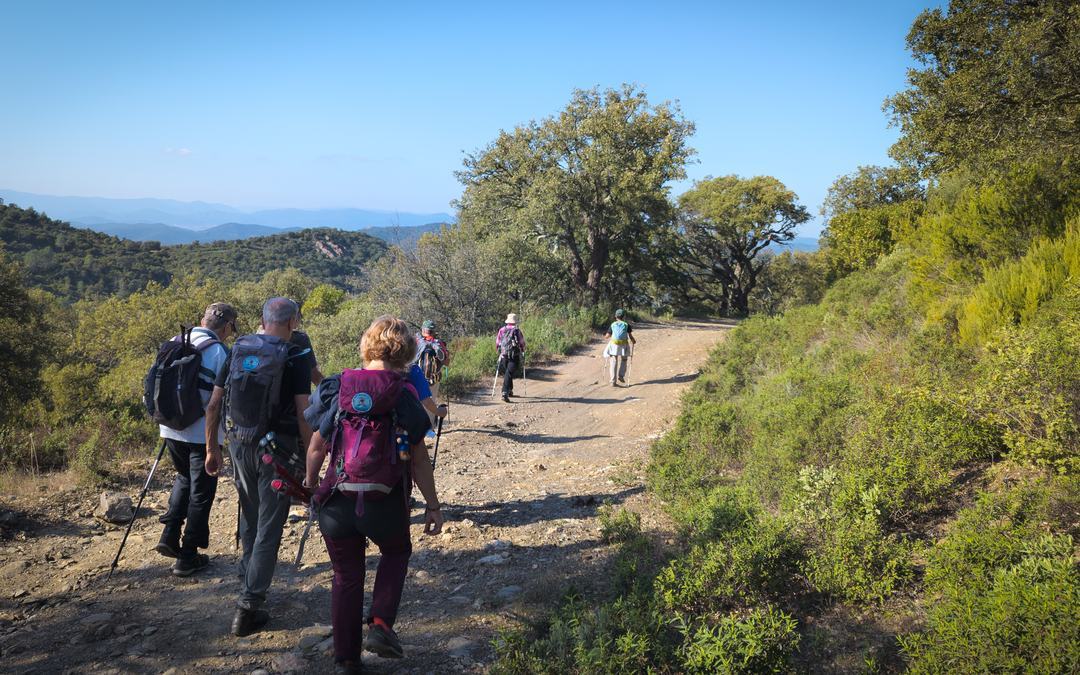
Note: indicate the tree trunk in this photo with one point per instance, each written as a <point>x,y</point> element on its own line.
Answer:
<point>598,256</point>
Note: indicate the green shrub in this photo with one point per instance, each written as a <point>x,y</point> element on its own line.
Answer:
<point>1013,294</point>
<point>850,554</point>
<point>907,445</point>
<point>761,640</point>
<point>624,636</point>
<point>1029,385</point>
<point>618,526</point>
<point>757,562</point>
<point>1005,593</point>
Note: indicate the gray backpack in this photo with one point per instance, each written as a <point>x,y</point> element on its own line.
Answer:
<point>253,390</point>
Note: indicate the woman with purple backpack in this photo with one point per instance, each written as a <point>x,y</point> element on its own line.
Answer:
<point>373,426</point>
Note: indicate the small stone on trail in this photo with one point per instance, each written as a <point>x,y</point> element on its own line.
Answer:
<point>309,641</point>
<point>508,593</point>
<point>498,545</point>
<point>289,662</point>
<point>22,592</point>
<point>260,671</point>
<point>460,647</point>
<point>99,617</point>
<point>114,507</point>
<point>149,630</point>
<point>493,559</point>
<point>539,467</point>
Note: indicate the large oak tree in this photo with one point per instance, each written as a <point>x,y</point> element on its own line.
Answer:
<point>590,182</point>
<point>725,224</point>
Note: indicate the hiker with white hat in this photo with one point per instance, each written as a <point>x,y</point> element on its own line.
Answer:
<point>511,344</point>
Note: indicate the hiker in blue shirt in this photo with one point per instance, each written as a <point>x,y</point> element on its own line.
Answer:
<point>620,348</point>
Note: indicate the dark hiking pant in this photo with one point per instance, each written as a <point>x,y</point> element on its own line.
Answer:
<point>510,368</point>
<point>263,511</point>
<point>386,523</point>
<point>191,498</point>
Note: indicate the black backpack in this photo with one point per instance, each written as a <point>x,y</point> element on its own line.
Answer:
<point>172,387</point>
<point>253,390</point>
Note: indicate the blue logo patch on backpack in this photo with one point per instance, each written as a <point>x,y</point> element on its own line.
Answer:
<point>250,363</point>
<point>361,402</point>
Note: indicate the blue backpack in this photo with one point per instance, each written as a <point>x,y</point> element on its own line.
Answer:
<point>619,331</point>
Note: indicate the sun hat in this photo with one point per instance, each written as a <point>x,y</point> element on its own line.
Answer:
<point>619,313</point>
<point>427,325</point>
<point>511,318</point>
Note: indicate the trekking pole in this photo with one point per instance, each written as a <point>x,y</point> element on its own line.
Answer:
<point>131,523</point>
<point>438,435</point>
<point>629,365</point>
<point>496,380</point>
<point>524,372</point>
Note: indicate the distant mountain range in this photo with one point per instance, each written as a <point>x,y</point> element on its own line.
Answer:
<point>94,212</point>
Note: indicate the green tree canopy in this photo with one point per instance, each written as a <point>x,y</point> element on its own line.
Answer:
<point>22,338</point>
<point>726,223</point>
<point>590,181</point>
<point>1000,82</point>
<point>871,186</point>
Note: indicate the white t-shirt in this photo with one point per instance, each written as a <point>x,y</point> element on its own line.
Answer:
<point>213,359</point>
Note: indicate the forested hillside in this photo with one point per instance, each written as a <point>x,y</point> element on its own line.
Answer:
<point>74,263</point>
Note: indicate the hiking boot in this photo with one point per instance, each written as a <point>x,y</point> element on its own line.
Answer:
<point>506,398</point>
<point>383,642</point>
<point>248,621</point>
<point>186,565</point>
<point>169,546</point>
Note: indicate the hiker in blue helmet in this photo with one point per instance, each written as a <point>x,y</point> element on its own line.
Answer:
<point>620,347</point>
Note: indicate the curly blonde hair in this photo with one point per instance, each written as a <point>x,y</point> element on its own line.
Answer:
<point>388,339</point>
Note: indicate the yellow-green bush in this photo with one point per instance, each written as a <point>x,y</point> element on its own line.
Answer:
<point>1013,294</point>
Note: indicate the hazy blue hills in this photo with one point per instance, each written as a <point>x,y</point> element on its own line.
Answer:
<point>95,211</point>
<point>171,235</point>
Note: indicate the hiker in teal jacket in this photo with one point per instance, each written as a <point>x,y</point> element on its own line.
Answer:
<point>620,348</point>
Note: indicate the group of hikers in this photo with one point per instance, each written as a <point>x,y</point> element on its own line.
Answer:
<point>371,422</point>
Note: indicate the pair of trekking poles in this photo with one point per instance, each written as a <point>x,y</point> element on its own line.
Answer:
<point>524,374</point>
<point>604,365</point>
<point>284,483</point>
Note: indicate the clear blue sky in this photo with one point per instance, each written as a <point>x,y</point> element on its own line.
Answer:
<point>364,104</point>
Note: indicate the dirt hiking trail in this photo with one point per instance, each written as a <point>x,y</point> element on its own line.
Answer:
<point>521,484</point>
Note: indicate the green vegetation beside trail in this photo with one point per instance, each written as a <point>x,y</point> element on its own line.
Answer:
<point>887,478</point>
<point>73,263</point>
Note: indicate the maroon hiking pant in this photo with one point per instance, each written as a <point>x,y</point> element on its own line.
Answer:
<point>386,524</point>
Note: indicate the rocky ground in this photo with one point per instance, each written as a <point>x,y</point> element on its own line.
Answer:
<point>522,484</point>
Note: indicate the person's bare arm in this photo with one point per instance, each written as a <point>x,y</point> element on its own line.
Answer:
<point>316,376</point>
<point>316,455</point>
<point>213,420</point>
<point>424,476</point>
<point>436,410</point>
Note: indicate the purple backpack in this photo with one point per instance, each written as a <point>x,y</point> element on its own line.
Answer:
<point>364,455</point>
